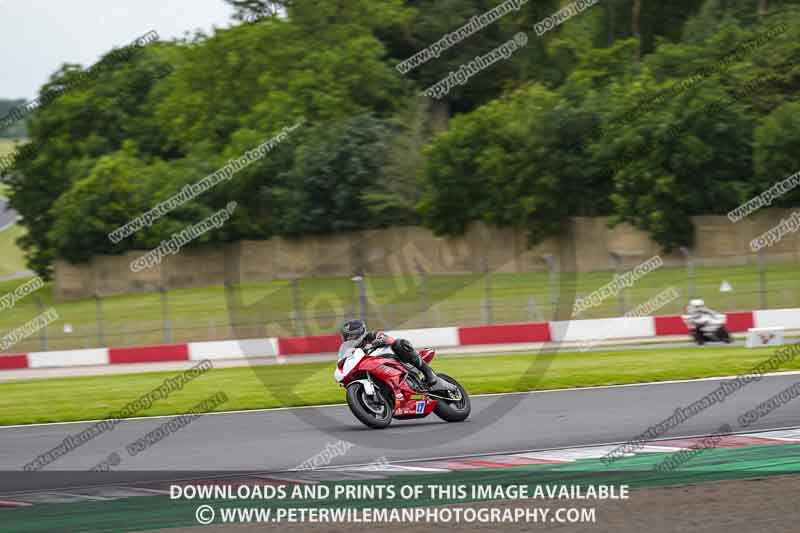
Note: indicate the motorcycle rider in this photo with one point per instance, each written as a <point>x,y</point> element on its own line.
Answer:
<point>356,330</point>
<point>699,314</point>
<point>705,323</point>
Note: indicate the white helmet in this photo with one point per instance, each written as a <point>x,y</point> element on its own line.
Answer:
<point>694,305</point>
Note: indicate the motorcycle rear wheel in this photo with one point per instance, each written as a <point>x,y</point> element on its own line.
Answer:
<point>374,412</point>
<point>453,411</point>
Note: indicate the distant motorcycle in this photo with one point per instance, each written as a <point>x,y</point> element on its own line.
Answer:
<point>709,327</point>
<point>381,387</point>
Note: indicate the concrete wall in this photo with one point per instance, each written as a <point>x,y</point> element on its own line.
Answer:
<point>584,246</point>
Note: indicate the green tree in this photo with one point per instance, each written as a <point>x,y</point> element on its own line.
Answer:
<point>74,129</point>
<point>393,196</point>
<point>17,130</point>
<point>95,206</point>
<point>324,190</point>
<point>252,9</point>
<point>516,162</point>
<point>690,157</point>
<point>777,150</point>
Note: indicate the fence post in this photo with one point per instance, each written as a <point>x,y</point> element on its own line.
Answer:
<point>617,259</point>
<point>689,270</point>
<point>578,298</point>
<point>98,311</point>
<point>233,310</point>
<point>423,290</point>
<point>762,278</point>
<point>165,316</point>
<point>297,303</point>
<point>552,276</point>
<point>362,295</point>
<point>390,318</point>
<point>487,286</point>
<point>533,311</point>
<point>42,331</point>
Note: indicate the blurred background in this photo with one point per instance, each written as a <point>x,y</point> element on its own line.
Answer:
<point>628,131</point>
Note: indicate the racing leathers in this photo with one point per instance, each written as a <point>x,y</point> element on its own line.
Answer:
<point>402,349</point>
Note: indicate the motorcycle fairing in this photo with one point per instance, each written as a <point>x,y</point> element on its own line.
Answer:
<point>382,366</point>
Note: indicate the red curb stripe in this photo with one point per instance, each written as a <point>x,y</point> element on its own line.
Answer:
<point>490,464</point>
<point>13,362</point>
<point>740,321</point>
<point>149,354</point>
<point>728,441</point>
<point>671,325</point>
<point>11,505</point>
<point>447,465</point>
<point>513,460</point>
<point>471,335</point>
<point>506,333</point>
<point>542,461</point>
<point>314,344</point>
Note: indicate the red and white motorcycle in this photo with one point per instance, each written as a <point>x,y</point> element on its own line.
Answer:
<point>380,387</point>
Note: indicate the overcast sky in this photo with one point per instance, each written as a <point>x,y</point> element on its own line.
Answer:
<point>38,36</point>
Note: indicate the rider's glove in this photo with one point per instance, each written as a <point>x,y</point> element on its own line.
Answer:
<point>381,339</point>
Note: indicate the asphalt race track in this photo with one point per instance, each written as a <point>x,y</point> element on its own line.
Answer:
<point>281,439</point>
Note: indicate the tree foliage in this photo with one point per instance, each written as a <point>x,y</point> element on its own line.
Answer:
<point>16,130</point>
<point>650,144</point>
<point>571,125</point>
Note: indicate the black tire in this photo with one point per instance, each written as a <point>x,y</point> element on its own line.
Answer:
<point>453,411</point>
<point>358,402</point>
<point>724,335</point>
<point>699,338</point>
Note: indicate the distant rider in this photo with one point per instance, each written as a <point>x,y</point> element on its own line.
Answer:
<point>356,330</point>
<point>699,314</point>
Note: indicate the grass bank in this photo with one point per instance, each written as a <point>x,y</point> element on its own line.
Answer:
<point>84,398</point>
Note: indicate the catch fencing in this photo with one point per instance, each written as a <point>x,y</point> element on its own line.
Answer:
<point>318,306</point>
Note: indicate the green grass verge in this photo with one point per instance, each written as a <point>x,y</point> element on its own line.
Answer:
<point>12,259</point>
<point>84,398</point>
<point>7,146</point>
<point>199,314</point>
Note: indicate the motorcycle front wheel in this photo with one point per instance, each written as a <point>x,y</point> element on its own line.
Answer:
<point>453,410</point>
<point>373,411</point>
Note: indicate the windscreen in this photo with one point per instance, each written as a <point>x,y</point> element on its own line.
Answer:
<point>346,347</point>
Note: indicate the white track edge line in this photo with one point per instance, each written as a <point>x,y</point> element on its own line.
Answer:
<point>284,473</point>
<point>545,391</point>
<point>541,450</point>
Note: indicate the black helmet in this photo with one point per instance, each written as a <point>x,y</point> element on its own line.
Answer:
<point>354,330</point>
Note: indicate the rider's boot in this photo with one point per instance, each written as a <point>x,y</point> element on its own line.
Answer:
<point>430,376</point>
<point>432,380</point>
